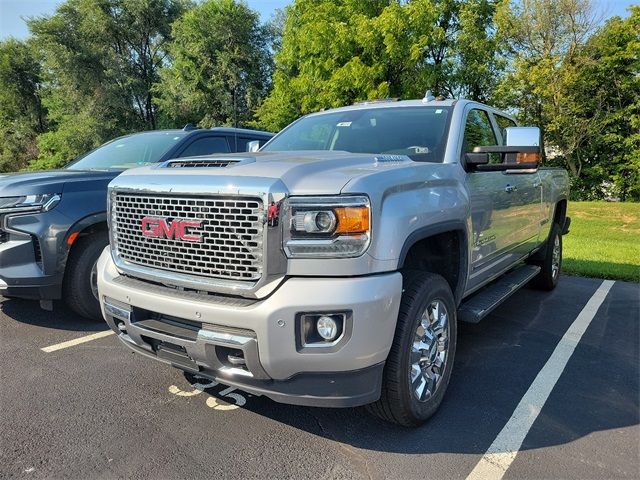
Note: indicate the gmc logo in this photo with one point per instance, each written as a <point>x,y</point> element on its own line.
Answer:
<point>166,228</point>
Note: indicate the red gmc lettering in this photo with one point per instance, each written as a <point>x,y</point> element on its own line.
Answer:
<point>176,230</point>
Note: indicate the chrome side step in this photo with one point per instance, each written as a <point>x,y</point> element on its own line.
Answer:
<point>481,304</point>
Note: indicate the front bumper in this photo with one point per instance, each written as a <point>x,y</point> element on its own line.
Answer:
<point>21,272</point>
<point>201,333</point>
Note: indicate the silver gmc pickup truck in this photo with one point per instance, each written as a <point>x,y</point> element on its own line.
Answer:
<point>331,267</point>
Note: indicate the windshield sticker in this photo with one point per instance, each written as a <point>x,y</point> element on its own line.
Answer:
<point>344,124</point>
<point>439,111</point>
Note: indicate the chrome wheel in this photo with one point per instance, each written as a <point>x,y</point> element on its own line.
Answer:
<point>429,351</point>
<point>93,280</point>
<point>555,257</point>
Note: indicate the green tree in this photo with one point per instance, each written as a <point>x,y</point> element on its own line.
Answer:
<point>596,125</point>
<point>100,59</point>
<point>22,115</point>
<point>581,86</point>
<point>537,36</point>
<point>335,52</point>
<point>220,66</point>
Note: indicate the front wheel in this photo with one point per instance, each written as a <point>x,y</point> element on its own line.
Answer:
<point>419,365</point>
<point>80,288</point>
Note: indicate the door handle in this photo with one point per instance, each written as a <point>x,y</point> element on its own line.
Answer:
<point>510,188</point>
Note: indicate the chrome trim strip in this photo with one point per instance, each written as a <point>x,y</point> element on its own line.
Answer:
<point>224,337</point>
<point>21,209</point>
<point>182,279</point>
<point>235,371</point>
<point>117,312</point>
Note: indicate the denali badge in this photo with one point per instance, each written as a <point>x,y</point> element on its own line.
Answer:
<point>169,228</point>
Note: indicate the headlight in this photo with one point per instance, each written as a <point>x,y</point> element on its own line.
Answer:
<point>29,203</point>
<point>327,227</point>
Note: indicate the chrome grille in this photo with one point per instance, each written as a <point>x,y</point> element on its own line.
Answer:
<point>230,235</point>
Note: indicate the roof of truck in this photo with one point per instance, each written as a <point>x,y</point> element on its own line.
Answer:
<point>394,103</point>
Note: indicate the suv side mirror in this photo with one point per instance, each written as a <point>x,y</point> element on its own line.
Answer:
<point>253,146</point>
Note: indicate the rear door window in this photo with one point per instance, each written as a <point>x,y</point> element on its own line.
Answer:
<point>206,146</point>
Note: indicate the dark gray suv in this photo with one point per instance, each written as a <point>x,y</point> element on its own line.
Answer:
<point>53,224</point>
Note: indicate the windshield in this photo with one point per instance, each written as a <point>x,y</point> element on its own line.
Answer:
<point>419,132</point>
<point>128,152</point>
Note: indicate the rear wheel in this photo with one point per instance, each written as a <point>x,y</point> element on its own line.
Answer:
<point>551,263</point>
<point>80,288</point>
<point>419,365</point>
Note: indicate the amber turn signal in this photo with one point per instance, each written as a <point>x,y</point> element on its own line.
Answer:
<point>528,157</point>
<point>352,219</point>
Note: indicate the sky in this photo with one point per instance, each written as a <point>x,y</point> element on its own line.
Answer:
<point>13,12</point>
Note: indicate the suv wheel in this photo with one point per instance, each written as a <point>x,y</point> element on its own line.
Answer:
<point>419,365</point>
<point>80,288</point>
<point>551,264</point>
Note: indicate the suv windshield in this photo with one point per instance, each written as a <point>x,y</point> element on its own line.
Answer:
<point>419,132</point>
<point>128,152</point>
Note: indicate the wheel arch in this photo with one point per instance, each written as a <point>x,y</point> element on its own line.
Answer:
<point>88,225</point>
<point>560,212</point>
<point>440,248</point>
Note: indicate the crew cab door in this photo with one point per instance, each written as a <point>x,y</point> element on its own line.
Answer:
<point>490,202</point>
<point>505,203</point>
<point>525,197</point>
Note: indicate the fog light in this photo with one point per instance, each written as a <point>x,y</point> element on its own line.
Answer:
<point>322,330</point>
<point>327,328</point>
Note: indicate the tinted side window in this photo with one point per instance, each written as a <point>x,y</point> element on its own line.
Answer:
<point>206,146</point>
<point>478,131</point>
<point>503,123</point>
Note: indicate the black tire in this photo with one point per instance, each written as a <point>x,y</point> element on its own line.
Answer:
<point>548,277</point>
<point>398,403</point>
<point>76,289</point>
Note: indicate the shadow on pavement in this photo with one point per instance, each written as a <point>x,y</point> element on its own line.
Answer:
<point>496,363</point>
<point>29,312</point>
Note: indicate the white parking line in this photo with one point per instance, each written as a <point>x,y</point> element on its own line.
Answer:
<point>502,452</point>
<point>77,341</point>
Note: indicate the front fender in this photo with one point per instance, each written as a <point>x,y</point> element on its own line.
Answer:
<point>93,220</point>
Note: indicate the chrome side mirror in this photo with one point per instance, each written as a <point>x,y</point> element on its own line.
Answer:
<point>522,136</point>
<point>253,146</point>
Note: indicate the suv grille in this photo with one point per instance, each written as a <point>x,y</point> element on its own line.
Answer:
<point>228,240</point>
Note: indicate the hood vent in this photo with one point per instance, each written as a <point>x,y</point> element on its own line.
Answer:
<point>202,163</point>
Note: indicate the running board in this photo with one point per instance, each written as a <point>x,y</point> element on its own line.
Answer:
<point>481,304</point>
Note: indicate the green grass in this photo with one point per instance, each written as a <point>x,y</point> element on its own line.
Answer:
<point>604,241</point>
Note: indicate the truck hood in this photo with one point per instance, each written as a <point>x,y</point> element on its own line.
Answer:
<point>51,181</point>
<point>301,172</point>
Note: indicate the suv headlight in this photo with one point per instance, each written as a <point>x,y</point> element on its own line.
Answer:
<point>29,203</point>
<point>327,227</point>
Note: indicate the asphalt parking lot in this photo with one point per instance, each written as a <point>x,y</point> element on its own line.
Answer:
<point>97,410</point>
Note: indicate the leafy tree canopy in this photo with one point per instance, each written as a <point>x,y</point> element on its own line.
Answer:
<point>22,116</point>
<point>336,52</point>
<point>100,60</point>
<point>220,66</point>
